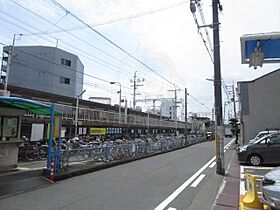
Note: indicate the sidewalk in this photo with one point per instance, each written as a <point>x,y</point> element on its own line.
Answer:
<point>228,196</point>
<point>27,176</point>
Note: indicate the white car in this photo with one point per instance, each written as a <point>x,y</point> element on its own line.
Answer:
<point>270,187</point>
<point>262,134</point>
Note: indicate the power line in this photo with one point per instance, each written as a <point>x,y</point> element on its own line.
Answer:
<point>202,38</point>
<point>98,62</point>
<point>110,41</point>
<point>68,12</point>
<point>83,73</point>
<point>140,14</point>
<point>83,40</point>
<point>199,5</point>
<point>103,37</point>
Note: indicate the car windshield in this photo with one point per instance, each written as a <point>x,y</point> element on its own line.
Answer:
<point>260,140</point>
<point>260,136</point>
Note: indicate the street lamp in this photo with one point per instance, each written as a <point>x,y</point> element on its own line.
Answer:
<point>120,99</point>
<point>77,112</point>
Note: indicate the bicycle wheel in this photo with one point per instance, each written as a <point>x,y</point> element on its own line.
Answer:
<point>43,151</point>
<point>32,153</point>
<point>21,152</point>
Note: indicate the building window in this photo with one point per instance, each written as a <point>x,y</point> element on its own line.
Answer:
<point>64,80</point>
<point>65,62</point>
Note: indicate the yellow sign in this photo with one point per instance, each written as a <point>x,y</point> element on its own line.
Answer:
<point>97,131</point>
<point>56,127</point>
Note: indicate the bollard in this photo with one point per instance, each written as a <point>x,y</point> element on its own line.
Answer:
<point>251,200</point>
<point>51,176</point>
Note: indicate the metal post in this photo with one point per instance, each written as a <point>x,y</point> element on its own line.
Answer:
<point>77,112</point>
<point>120,101</point>
<point>176,120</point>
<point>125,111</point>
<point>11,50</point>
<point>148,123</point>
<point>234,105</point>
<point>186,113</point>
<point>134,89</point>
<point>220,169</point>
<point>50,138</point>
<point>234,109</point>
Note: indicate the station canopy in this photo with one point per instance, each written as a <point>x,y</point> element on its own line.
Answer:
<point>28,105</point>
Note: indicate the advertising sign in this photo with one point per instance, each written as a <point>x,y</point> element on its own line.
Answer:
<point>97,131</point>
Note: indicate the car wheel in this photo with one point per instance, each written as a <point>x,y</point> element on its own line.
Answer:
<point>255,160</point>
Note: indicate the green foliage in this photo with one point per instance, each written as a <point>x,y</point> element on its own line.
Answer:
<point>235,126</point>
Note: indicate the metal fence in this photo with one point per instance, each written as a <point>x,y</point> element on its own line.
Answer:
<point>95,115</point>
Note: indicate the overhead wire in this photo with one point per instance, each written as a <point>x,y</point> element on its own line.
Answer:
<point>75,36</point>
<point>83,73</point>
<point>202,37</point>
<point>128,54</point>
<point>120,48</point>
<point>199,6</point>
<point>120,19</point>
<point>104,52</point>
<point>111,42</point>
<point>67,44</point>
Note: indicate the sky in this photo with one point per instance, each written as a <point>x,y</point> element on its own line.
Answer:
<point>164,37</point>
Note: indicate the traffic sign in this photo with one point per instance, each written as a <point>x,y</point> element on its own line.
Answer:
<point>260,48</point>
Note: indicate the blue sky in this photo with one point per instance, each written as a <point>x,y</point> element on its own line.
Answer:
<point>167,41</point>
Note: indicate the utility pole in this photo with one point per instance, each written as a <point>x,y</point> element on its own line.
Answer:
<point>175,106</point>
<point>233,100</point>
<point>77,112</point>
<point>220,169</point>
<point>186,114</point>
<point>9,63</point>
<point>136,84</point>
<point>234,109</point>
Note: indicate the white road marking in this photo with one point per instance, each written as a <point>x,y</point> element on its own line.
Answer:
<point>242,181</point>
<point>171,197</point>
<point>198,180</point>
<point>170,208</point>
<point>212,165</point>
<point>29,169</point>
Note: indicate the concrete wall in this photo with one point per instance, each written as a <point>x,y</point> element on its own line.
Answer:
<point>40,68</point>
<point>260,100</point>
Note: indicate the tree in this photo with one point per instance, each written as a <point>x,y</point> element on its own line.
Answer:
<point>235,128</point>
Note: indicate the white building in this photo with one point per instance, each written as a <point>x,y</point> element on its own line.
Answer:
<point>168,109</point>
<point>47,69</point>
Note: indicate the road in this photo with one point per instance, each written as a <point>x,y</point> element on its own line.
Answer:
<point>182,179</point>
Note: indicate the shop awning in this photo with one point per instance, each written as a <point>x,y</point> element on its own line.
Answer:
<point>28,105</point>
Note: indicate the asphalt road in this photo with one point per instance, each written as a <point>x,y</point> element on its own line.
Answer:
<point>182,179</point>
